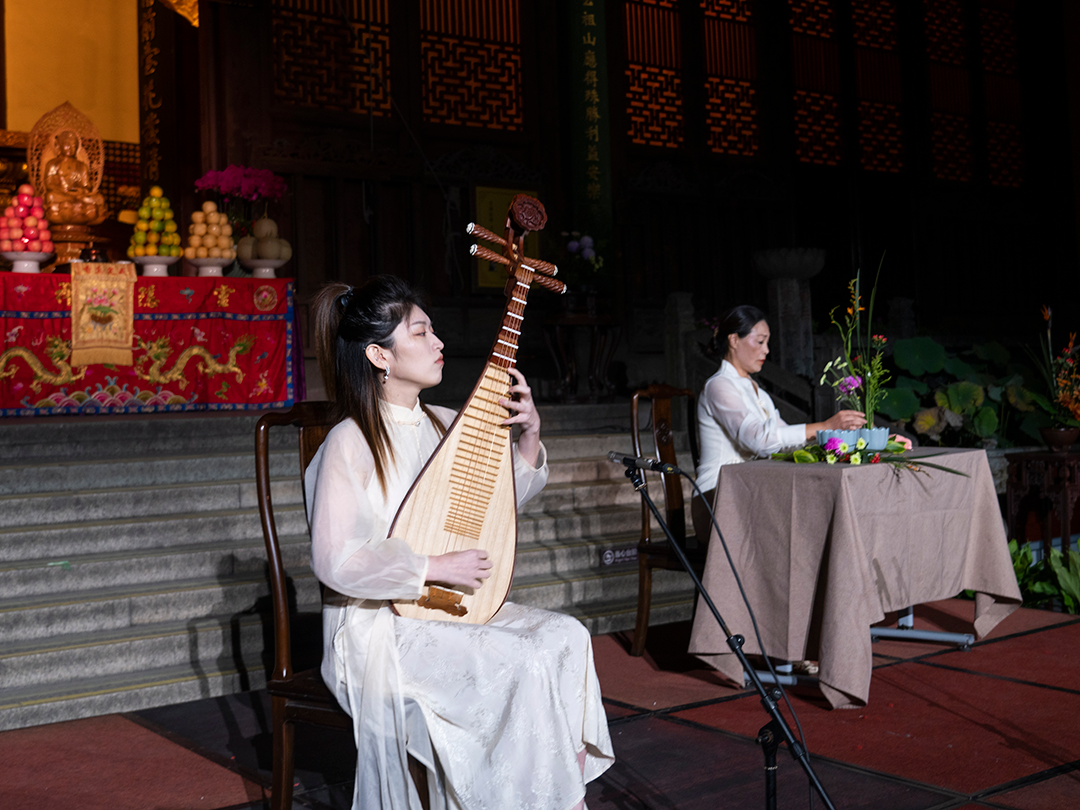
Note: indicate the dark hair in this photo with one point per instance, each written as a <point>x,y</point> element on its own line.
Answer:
<point>346,321</point>
<point>738,320</point>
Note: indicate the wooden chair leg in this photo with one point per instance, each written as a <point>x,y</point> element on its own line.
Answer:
<point>419,773</point>
<point>281,790</point>
<point>644,604</point>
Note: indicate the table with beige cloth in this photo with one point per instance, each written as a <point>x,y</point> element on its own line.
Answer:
<point>825,551</point>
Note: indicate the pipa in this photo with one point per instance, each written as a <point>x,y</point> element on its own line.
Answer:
<point>465,496</point>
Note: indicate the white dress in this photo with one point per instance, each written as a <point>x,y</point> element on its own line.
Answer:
<point>508,705</point>
<point>737,421</point>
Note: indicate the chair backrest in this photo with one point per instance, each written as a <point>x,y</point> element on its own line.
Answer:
<point>664,442</point>
<point>313,419</point>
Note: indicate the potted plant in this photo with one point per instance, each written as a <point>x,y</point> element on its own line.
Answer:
<point>1062,377</point>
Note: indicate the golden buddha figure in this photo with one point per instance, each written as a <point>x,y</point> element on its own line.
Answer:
<point>69,196</point>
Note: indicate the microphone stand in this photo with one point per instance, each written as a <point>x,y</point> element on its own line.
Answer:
<point>770,735</point>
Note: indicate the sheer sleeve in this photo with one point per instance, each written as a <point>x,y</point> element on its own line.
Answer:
<point>747,425</point>
<point>350,551</point>
<point>529,480</point>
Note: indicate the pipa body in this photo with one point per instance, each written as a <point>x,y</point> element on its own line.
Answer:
<point>465,497</point>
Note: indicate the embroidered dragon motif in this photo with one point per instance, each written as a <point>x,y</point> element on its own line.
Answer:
<point>159,350</point>
<point>58,349</point>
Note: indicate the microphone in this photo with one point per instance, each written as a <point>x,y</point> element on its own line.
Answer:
<point>644,463</point>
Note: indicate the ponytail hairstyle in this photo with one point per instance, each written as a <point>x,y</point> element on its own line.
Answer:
<point>740,321</point>
<point>346,321</point>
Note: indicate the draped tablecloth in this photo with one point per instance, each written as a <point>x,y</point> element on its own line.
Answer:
<point>198,344</point>
<point>824,551</point>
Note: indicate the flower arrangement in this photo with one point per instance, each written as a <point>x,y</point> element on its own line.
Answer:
<point>858,376</point>
<point>242,183</point>
<point>240,189</point>
<point>1062,375</point>
<point>836,451</point>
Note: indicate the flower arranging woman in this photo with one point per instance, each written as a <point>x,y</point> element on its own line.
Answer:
<point>513,707</point>
<point>737,421</point>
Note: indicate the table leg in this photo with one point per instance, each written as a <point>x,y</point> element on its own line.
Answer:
<point>905,630</point>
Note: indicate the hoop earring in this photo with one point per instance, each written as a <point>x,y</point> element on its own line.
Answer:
<point>386,374</point>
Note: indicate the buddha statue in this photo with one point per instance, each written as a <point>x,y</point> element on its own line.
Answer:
<point>69,196</point>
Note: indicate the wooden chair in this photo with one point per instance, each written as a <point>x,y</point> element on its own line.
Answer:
<point>296,697</point>
<point>656,552</point>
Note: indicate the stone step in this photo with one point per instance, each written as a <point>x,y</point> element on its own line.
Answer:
<point>126,692</point>
<point>224,560</point>
<point>582,587</point>
<point>199,641</point>
<point>124,435</point>
<point>58,541</point>
<point>44,616</point>
<point>130,502</point>
<point>621,614</point>
<point>136,471</point>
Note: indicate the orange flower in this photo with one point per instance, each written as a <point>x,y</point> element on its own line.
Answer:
<point>1046,312</point>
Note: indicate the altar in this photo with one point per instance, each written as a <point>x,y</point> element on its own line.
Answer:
<point>199,344</point>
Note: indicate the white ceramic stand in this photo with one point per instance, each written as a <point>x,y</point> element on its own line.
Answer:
<point>263,268</point>
<point>23,262</point>
<point>155,265</point>
<point>209,268</point>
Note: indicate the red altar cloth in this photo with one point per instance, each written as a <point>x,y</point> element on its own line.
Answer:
<point>200,344</point>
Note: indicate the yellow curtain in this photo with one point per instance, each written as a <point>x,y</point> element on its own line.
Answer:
<point>188,9</point>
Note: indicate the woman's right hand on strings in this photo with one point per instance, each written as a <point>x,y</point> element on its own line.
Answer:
<point>466,569</point>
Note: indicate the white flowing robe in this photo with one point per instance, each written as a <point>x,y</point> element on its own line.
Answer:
<point>508,705</point>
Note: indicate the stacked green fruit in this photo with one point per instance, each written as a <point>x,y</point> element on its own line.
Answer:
<point>156,230</point>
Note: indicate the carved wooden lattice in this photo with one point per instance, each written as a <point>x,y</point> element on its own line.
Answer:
<point>731,71</point>
<point>814,18</point>
<point>330,63</point>
<point>950,146</point>
<point>877,78</point>
<point>816,69</point>
<point>1004,143</point>
<point>817,128</point>
<point>950,96</point>
<point>654,104</point>
<point>1005,153</point>
<point>470,55</point>
<point>120,178</point>
<point>944,21</point>
<point>735,10</point>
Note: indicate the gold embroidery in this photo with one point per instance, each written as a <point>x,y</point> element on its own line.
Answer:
<point>160,349</point>
<point>63,294</point>
<point>223,292</point>
<point>59,351</point>
<point>148,297</point>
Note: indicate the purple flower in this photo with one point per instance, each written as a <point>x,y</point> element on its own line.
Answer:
<point>849,384</point>
<point>573,246</point>
<point>586,242</point>
<point>833,444</point>
<point>587,253</point>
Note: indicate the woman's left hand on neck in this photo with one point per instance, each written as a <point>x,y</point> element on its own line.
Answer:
<point>524,413</point>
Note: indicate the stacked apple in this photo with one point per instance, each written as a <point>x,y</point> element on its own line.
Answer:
<point>209,235</point>
<point>155,229</point>
<point>23,228</point>
<point>263,243</point>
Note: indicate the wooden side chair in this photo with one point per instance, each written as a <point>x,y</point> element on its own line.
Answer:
<point>297,697</point>
<point>655,552</point>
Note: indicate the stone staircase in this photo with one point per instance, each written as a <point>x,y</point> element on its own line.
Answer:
<point>132,561</point>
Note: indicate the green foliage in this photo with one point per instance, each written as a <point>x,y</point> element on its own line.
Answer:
<point>899,403</point>
<point>919,356</point>
<point>964,398</point>
<point>1056,576</point>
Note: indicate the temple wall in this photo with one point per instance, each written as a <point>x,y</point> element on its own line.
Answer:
<point>77,51</point>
